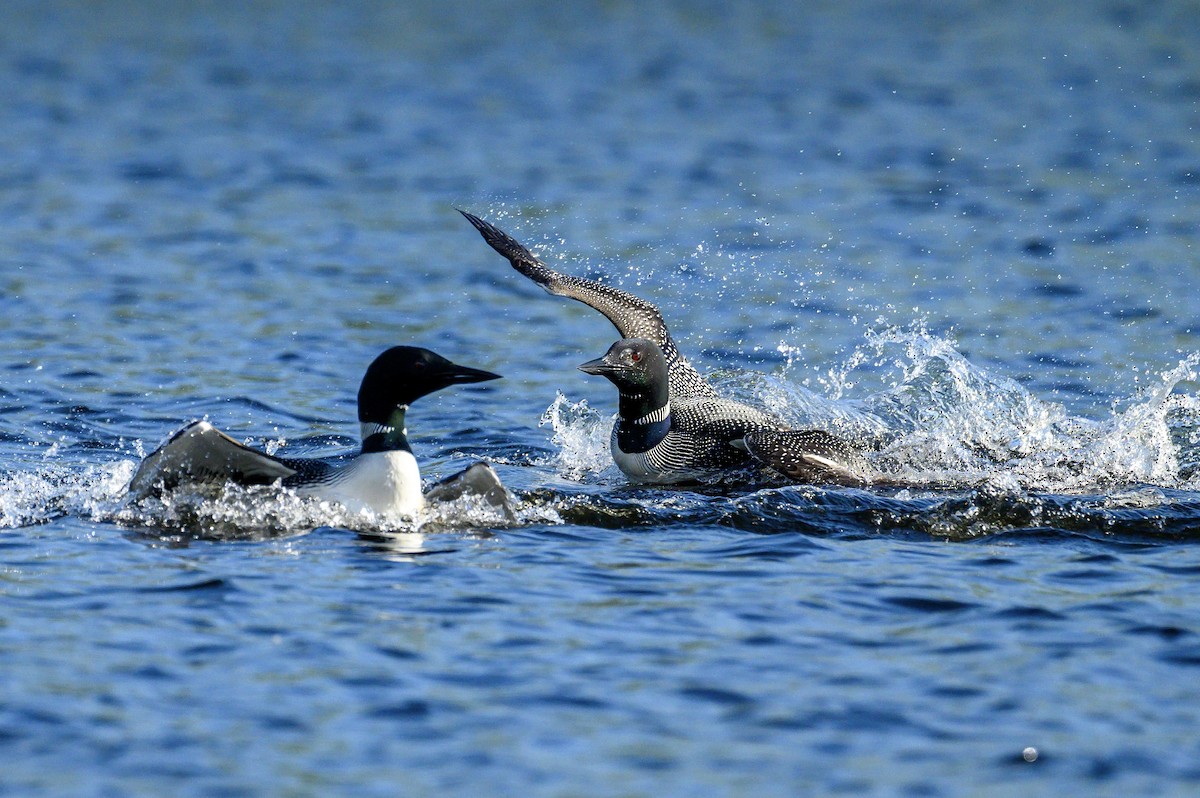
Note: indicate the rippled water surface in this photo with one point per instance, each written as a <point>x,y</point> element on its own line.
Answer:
<point>962,235</point>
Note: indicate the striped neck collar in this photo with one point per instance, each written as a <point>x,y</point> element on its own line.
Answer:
<point>386,437</point>
<point>653,417</point>
<point>644,432</point>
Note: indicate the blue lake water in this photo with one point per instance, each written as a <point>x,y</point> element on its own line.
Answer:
<point>962,234</point>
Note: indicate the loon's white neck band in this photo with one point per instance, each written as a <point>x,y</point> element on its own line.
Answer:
<point>654,416</point>
<point>370,428</point>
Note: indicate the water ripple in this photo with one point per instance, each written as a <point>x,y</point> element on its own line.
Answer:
<point>971,250</point>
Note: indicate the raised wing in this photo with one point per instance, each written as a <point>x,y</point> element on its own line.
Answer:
<point>632,316</point>
<point>200,453</point>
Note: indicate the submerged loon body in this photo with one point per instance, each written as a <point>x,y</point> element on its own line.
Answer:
<point>383,477</point>
<point>673,426</point>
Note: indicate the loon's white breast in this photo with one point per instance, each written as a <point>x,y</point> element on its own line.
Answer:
<point>388,483</point>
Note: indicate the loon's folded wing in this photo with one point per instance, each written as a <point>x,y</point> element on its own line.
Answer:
<point>480,479</point>
<point>632,316</point>
<point>811,456</point>
<point>200,453</point>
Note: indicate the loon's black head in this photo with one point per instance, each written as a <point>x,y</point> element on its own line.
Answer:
<point>639,370</point>
<point>403,374</point>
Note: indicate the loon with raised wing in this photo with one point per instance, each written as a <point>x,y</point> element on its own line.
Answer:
<point>382,477</point>
<point>672,425</point>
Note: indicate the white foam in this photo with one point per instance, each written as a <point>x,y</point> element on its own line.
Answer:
<point>99,493</point>
<point>582,436</point>
<point>949,418</point>
<point>53,489</point>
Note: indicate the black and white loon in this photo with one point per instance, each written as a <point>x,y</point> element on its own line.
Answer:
<point>660,438</point>
<point>672,425</point>
<point>382,477</point>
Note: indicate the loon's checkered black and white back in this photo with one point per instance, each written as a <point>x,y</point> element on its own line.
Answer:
<point>658,438</point>
<point>711,434</point>
<point>699,441</point>
<point>632,316</point>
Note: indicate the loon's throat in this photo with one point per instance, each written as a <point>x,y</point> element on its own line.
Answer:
<point>635,403</point>
<point>389,437</point>
<point>643,433</point>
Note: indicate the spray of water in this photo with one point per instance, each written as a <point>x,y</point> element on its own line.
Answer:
<point>582,437</point>
<point>99,493</point>
<point>951,419</point>
<point>941,419</point>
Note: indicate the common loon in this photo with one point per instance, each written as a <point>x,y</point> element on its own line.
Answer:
<point>673,426</point>
<point>658,438</point>
<point>382,477</point>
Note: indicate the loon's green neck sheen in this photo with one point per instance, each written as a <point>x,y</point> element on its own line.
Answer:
<point>389,437</point>
<point>638,403</point>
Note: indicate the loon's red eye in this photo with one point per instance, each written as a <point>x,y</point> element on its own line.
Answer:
<point>635,356</point>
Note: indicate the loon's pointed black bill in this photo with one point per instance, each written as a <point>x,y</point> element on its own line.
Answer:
<point>601,366</point>
<point>456,374</point>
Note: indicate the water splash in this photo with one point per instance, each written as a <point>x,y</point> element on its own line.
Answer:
<point>940,419</point>
<point>230,512</point>
<point>54,490</point>
<point>933,418</point>
<point>581,434</point>
<point>257,512</point>
<point>948,419</point>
